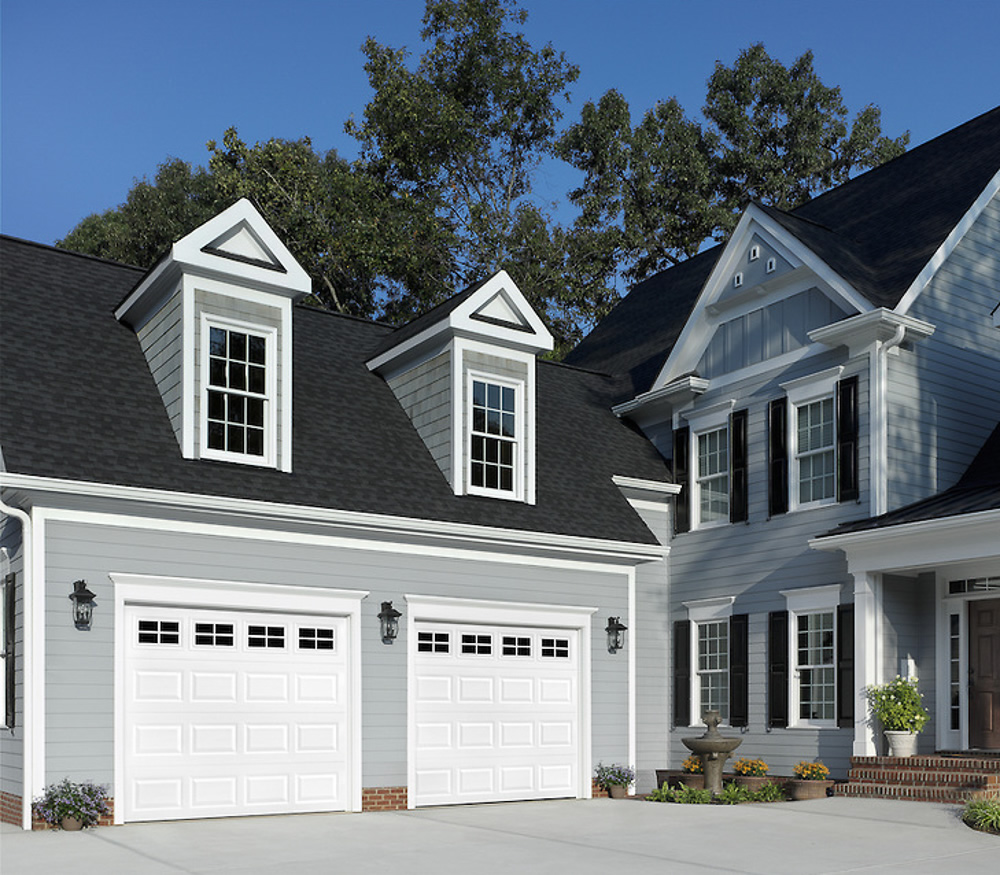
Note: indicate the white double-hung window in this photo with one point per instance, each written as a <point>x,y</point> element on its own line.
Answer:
<point>813,654</point>
<point>710,443</point>
<point>238,380</point>
<point>813,437</point>
<point>711,651</point>
<point>495,440</point>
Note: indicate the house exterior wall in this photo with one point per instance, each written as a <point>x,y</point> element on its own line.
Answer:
<point>79,708</point>
<point>424,392</point>
<point>12,738</point>
<point>945,392</point>
<point>162,342</point>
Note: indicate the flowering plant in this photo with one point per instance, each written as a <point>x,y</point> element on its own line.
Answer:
<point>87,802</point>
<point>614,774</point>
<point>755,768</point>
<point>811,771</point>
<point>897,705</point>
<point>693,765</point>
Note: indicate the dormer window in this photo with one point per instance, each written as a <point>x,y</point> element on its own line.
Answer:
<point>237,393</point>
<point>493,435</point>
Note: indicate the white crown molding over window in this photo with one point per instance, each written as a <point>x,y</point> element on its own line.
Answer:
<point>812,598</point>
<point>703,610</point>
<point>812,386</point>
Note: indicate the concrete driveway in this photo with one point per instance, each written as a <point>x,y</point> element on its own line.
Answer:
<point>595,836</point>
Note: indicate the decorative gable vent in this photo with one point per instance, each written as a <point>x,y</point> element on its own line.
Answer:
<point>465,375</point>
<point>213,318</point>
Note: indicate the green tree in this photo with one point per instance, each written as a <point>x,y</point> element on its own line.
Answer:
<point>652,195</point>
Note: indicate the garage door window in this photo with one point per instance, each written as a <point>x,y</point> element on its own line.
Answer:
<point>514,645</point>
<point>478,645</point>
<point>214,635</point>
<point>432,642</point>
<point>159,632</point>
<point>315,639</point>
<point>270,637</point>
<point>557,648</point>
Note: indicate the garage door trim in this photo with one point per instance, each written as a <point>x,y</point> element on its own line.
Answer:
<point>422,608</point>
<point>177,592</point>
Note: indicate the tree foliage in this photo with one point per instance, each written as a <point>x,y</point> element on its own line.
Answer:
<point>443,193</point>
<point>653,194</point>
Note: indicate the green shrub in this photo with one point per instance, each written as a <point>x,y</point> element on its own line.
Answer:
<point>770,793</point>
<point>692,796</point>
<point>983,814</point>
<point>733,794</point>
<point>662,794</point>
<point>897,705</point>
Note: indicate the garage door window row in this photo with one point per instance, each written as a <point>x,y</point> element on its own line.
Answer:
<point>258,636</point>
<point>480,644</point>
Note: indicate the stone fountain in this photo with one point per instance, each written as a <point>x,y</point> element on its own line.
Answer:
<point>714,749</point>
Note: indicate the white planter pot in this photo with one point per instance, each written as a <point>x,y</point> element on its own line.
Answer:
<point>901,742</point>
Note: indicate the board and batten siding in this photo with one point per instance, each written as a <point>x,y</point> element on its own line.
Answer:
<point>162,342</point>
<point>756,560</point>
<point>424,392</point>
<point>12,740</point>
<point>80,669</point>
<point>944,394</point>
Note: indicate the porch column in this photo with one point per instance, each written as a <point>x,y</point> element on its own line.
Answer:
<point>867,607</point>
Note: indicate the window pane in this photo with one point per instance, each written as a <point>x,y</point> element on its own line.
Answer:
<point>256,349</point>
<point>237,346</point>
<point>217,342</point>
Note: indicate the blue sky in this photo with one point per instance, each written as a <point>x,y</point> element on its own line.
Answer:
<point>97,93</point>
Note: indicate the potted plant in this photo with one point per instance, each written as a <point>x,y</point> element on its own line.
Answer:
<point>811,781</point>
<point>70,805</point>
<point>615,779</point>
<point>751,774</point>
<point>898,707</point>
<point>693,773</point>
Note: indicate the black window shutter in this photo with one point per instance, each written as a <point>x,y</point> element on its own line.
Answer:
<point>8,613</point>
<point>777,456</point>
<point>738,466</point>
<point>845,665</point>
<point>777,669</point>
<point>847,439</point>
<point>739,660</point>
<point>682,503</point>
<point>682,673</point>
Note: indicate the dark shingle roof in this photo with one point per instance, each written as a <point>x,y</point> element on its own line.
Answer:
<point>878,231</point>
<point>80,403</point>
<point>978,490</point>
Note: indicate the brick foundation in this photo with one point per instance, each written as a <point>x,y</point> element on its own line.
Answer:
<point>383,798</point>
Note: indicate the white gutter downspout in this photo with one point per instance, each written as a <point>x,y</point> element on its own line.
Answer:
<point>880,427</point>
<point>27,748</point>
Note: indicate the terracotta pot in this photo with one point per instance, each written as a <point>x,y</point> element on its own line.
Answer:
<point>617,791</point>
<point>901,743</point>
<point>71,823</point>
<point>752,782</point>
<point>799,789</point>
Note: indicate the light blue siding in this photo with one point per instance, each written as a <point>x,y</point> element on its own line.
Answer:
<point>161,339</point>
<point>424,392</point>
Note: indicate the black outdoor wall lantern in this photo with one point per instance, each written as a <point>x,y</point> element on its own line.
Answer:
<point>616,634</point>
<point>83,604</point>
<point>388,619</point>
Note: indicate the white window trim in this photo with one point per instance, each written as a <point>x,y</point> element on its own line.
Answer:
<point>802,602</point>
<point>701,611</point>
<point>4,583</point>
<point>520,438</point>
<point>801,392</point>
<point>709,419</point>
<point>270,335</point>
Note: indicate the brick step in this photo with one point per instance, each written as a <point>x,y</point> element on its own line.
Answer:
<point>988,765</point>
<point>922,777</point>
<point>902,792</point>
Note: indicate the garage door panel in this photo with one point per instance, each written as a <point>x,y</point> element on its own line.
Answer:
<point>222,721</point>
<point>511,729</point>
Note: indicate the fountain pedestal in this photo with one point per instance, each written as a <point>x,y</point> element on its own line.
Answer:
<point>714,749</point>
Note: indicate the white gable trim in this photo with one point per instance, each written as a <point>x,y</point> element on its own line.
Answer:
<point>948,246</point>
<point>701,325</point>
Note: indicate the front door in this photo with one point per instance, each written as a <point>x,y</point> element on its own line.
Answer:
<point>984,674</point>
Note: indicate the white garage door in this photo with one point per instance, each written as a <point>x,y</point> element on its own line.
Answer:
<point>234,713</point>
<point>497,713</point>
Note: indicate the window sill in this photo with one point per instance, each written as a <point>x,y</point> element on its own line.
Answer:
<point>238,459</point>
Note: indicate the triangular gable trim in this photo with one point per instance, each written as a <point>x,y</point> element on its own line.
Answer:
<point>948,246</point>
<point>241,243</point>
<point>697,332</point>
<point>500,311</point>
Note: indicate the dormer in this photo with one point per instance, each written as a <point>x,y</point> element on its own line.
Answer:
<point>214,320</point>
<point>465,374</point>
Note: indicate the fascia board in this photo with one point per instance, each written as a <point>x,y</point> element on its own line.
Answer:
<point>943,252</point>
<point>698,330</point>
<point>143,300</point>
<point>356,521</point>
<point>923,544</point>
